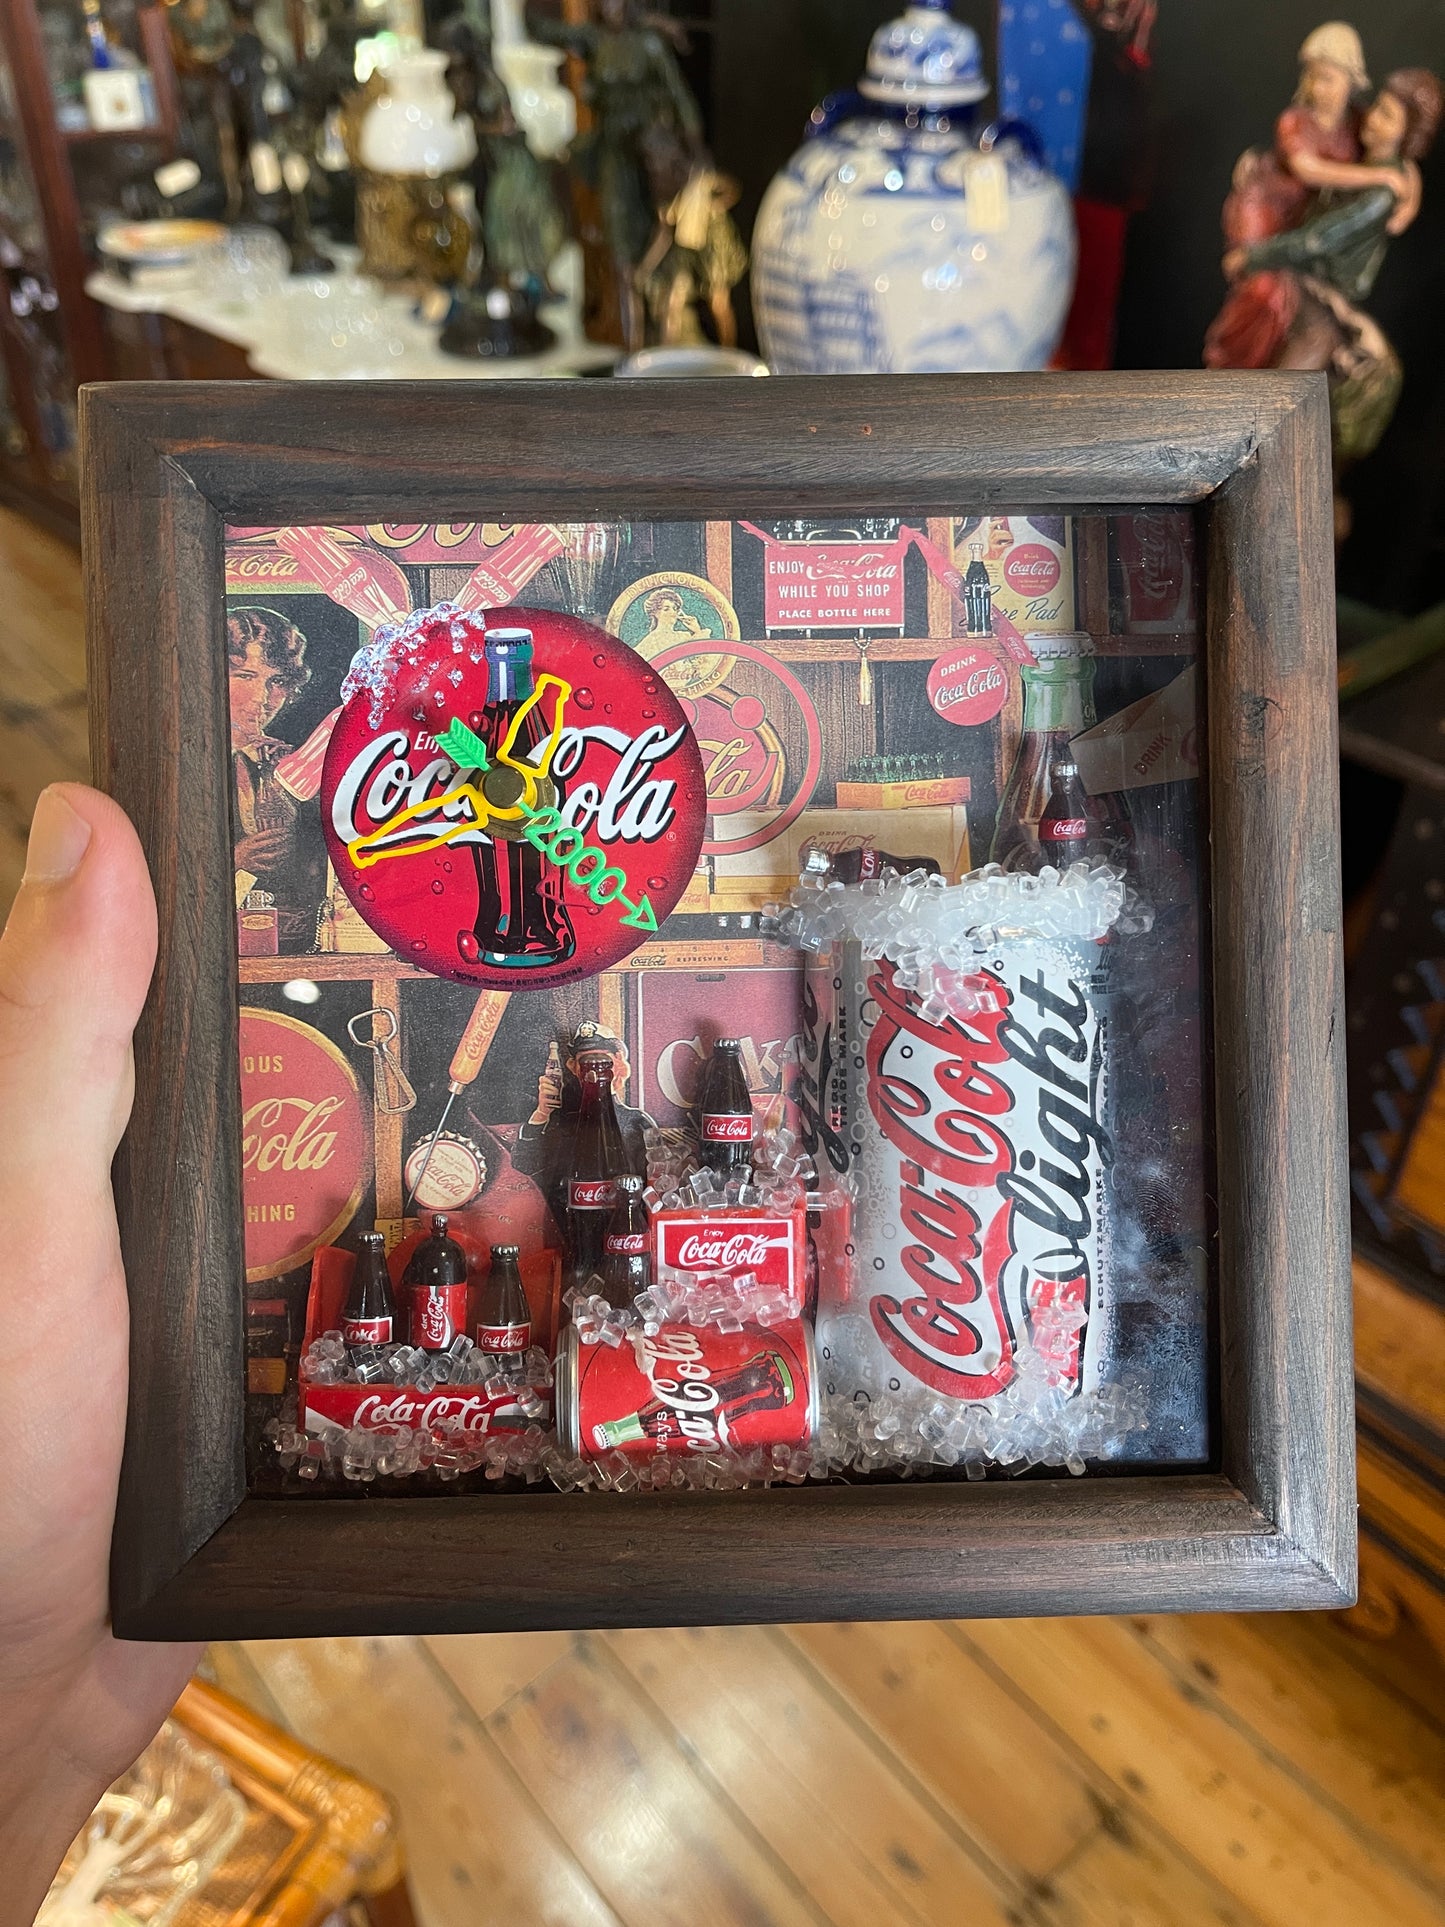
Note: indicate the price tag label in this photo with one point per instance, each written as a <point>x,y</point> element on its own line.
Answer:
<point>985,182</point>
<point>176,177</point>
<point>265,168</point>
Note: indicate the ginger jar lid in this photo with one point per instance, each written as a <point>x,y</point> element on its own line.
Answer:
<point>925,59</point>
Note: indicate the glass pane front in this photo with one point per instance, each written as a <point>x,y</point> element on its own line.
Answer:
<point>722,1002</point>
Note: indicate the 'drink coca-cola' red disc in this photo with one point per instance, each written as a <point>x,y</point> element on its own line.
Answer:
<point>515,812</point>
<point>969,684</point>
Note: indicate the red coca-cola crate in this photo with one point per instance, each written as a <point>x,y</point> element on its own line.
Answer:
<point>769,1246</point>
<point>372,1406</point>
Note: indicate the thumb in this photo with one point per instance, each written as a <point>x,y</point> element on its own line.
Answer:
<point>75,963</point>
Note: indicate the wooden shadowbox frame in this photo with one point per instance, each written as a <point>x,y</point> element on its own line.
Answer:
<point>167,466</point>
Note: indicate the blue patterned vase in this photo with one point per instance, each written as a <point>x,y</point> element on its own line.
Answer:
<point>903,237</point>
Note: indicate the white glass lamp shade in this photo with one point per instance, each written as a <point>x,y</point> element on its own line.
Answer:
<point>414,129</point>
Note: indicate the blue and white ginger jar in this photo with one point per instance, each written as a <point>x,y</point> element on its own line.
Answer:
<point>902,237</point>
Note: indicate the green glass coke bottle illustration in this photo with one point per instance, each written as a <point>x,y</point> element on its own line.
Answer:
<point>1058,704</point>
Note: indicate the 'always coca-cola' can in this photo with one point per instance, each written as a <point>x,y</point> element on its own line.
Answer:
<point>980,1154</point>
<point>688,1389</point>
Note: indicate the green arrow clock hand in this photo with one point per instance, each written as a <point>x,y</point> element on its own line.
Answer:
<point>463,745</point>
<point>641,915</point>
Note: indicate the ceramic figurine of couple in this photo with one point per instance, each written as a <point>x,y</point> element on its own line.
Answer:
<point>1307,225</point>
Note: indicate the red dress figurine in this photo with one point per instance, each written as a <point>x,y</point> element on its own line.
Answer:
<point>1306,227</point>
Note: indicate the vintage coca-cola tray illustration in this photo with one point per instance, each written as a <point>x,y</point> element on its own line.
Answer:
<point>774,1015</point>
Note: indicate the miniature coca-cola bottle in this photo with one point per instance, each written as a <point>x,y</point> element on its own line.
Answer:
<point>725,1111</point>
<point>1058,703</point>
<point>436,1280</point>
<point>370,1314</point>
<point>599,1159</point>
<point>1065,832</point>
<point>504,1323</point>
<point>627,1248</point>
<point>865,865</point>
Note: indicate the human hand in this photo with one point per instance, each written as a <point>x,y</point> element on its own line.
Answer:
<point>263,851</point>
<point>76,1705</point>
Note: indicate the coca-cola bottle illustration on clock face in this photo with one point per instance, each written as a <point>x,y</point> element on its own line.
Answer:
<point>762,1383</point>
<point>522,921</point>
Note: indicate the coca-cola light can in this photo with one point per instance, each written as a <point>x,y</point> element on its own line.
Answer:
<point>980,1154</point>
<point>688,1389</point>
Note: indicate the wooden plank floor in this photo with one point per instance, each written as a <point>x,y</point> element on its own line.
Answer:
<point>1225,1772</point>
<point>1077,1773</point>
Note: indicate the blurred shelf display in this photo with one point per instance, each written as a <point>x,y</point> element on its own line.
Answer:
<point>182,183</point>
<point>236,313</point>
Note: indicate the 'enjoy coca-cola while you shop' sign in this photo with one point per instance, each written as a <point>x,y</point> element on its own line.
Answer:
<point>513,801</point>
<point>816,585</point>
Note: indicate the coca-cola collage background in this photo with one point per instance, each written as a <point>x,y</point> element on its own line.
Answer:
<point>748,692</point>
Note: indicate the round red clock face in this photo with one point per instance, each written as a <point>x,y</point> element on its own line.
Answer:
<point>513,800</point>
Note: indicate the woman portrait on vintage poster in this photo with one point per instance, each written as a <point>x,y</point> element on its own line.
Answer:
<point>670,622</point>
<point>266,665</point>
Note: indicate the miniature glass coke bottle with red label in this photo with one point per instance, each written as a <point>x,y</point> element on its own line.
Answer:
<point>436,1279</point>
<point>1058,704</point>
<point>725,1111</point>
<point>504,1323</point>
<point>627,1248</point>
<point>370,1314</point>
<point>599,1159</point>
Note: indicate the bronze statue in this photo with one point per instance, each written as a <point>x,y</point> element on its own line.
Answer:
<point>522,222</point>
<point>696,260</point>
<point>644,143</point>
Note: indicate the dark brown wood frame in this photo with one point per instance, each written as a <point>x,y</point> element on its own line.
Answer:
<point>166,466</point>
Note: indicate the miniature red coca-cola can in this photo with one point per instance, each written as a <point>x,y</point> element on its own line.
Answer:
<point>438,1313</point>
<point>688,1389</point>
